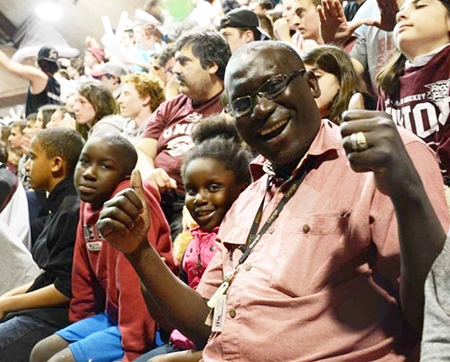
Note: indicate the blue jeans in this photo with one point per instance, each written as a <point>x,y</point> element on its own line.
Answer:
<point>18,336</point>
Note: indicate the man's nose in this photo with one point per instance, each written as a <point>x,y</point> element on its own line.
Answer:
<point>263,106</point>
<point>176,68</point>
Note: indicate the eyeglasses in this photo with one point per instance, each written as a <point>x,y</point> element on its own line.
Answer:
<point>270,89</point>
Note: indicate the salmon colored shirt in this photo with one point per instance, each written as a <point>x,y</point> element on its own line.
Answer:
<point>323,283</point>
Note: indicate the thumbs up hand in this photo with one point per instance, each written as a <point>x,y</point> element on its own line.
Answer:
<point>372,143</point>
<point>356,102</point>
<point>125,220</point>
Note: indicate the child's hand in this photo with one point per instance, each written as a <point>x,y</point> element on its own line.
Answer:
<point>161,180</point>
<point>125,220</point>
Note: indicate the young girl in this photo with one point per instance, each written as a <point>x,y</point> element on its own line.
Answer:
<point>338,81</point>
<point>415,85</point>
<point>214,173</point>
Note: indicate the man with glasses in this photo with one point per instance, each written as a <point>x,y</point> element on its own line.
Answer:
<point>309,267</point>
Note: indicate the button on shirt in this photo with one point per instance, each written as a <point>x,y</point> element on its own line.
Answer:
<point>324,284</point>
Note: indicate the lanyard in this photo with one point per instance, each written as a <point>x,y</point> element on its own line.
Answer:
<point>254,236</point>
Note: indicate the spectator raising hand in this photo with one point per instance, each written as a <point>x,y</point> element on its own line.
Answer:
<point>336,29</point>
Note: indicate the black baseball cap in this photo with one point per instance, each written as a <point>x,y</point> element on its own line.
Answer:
<point>244,19</point>
<point>48,53</point>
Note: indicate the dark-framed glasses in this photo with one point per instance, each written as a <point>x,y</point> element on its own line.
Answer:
<point>270,89</point>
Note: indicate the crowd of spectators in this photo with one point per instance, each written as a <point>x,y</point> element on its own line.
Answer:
<point>333,242</point>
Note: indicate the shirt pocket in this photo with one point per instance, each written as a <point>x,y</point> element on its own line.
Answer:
<point>310,253</point>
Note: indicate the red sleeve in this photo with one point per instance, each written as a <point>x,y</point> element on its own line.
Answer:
<point>86,299</point>
<point>156,124</point>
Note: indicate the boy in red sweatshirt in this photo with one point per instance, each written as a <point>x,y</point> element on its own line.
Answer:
<point>111,321</point>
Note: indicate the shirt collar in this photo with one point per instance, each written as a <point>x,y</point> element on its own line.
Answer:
<point>422,60</point>
<point>327,139</point>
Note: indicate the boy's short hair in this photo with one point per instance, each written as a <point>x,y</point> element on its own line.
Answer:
<point>127,150</point>
<point>63,142</point>
<point>128,154</point>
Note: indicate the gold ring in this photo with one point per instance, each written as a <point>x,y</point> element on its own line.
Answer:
<point>361,141</point>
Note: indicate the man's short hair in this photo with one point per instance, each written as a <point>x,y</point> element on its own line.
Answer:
<point>147,85</point>
<point>266,4</point>
<point>166,54</point>
<point>209,47</point>
<point>61,142</point>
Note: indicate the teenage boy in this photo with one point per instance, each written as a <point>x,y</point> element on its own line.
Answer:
<point>141,94</point>
<point>35,310</point>
<point>108,309</point>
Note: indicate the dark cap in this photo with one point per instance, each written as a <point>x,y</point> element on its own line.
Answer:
<point>242,18</point>
<point>47,53</point>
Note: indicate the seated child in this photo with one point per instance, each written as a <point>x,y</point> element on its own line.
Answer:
<point>109,314</point>
<point>41,306</point>
<point>214,173</point>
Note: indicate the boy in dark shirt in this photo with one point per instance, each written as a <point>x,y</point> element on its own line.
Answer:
<point>35,310</point>
<point>107,308</point>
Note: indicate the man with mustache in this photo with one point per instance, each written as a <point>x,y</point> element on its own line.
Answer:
<point>201,59</point>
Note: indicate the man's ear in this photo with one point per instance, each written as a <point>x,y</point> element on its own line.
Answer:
<point>213,68</point>
<point>248,36</point>
<point>313,83</point>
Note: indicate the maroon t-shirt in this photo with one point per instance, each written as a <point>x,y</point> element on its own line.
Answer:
<point>423,105</point>
<point>171,125</point>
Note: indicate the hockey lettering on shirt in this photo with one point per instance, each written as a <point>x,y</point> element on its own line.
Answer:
<point>423,106</point>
